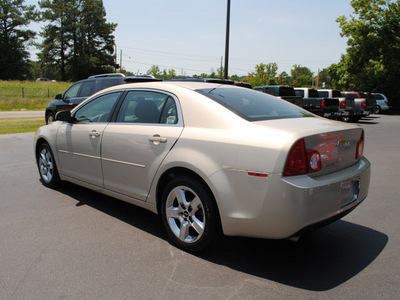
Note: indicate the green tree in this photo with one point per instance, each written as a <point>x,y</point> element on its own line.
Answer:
<point>77,40</point>
<point>154,71</point>
<point>265,74</point>
<point>14,17</point>
<point>302,76</point>
<point>372,59</point>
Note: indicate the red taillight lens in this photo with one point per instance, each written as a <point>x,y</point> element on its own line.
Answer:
<point>364,104</point>
<point>343,104</point>
<point>323,104</point>
<point>301,161</point>
<point>360,146</point>
<point>386,102</point>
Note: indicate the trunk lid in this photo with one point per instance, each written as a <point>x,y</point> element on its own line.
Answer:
<point>336,142</point>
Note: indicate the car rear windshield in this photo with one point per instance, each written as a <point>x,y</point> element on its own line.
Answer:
<point>253,105</point>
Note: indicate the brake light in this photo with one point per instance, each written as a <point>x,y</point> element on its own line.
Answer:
<point>360,146</point>
<point>386,102</point>
<point>364,104</point>
<point>323,104</point>
<point>302,161</point>
<point>343,104</point>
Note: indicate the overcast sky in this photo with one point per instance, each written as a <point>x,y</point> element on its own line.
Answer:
<point>189,35</point>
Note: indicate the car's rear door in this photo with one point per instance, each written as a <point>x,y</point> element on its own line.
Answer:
<point>79,142</point>
<point>146,128</point>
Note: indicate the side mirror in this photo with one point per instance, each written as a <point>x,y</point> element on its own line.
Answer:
<point>64,116</point>
<point>58,96</point>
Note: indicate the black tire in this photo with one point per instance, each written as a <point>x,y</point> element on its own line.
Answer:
<point>378,110</point>
<point>190,215</point>
<point>47,166</point>
<point>50,117</point>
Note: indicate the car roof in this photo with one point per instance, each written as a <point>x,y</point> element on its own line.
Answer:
<point>191,85</point>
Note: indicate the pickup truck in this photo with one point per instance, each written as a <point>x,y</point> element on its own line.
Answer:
<point>282,91</point>
<point>346,106</point>
<point>360,105</point>
<point>324,107</point>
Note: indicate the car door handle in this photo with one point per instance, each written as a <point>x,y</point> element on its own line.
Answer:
<point>94,134</point>
<point>156,139</point>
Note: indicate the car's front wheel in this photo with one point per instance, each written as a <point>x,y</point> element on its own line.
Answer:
<point>50,117</point>
<point>47,166</point>
<point>189,214</point>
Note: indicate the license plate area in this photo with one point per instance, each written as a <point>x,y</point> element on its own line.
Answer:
<point>350,190</point>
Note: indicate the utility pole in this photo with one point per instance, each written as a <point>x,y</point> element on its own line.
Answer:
<point>120,62</point>
<point>227,39</point>
<point>222,74</point>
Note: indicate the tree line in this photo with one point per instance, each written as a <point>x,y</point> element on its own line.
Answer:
<point>77,42</point>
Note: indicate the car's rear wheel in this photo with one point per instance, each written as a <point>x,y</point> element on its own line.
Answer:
<point>47,166</point>
<point>189,214</point>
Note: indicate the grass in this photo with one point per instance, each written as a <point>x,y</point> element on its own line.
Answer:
<point>18,125</point>
<point>29,95</point>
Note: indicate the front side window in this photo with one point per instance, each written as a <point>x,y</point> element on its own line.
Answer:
<point>98,110</point>
<point>252,105</point>
<point>148,107</point>
<point>72,92</point>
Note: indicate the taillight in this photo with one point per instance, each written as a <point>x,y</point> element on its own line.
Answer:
<point>360,146</point>
<point>323,104</point>
<point>302,161</point>
<point>364,104</point>
<point>343,104</point>
<point>386,102</point>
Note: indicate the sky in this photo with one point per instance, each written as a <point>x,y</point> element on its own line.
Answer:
<point>189,35</point>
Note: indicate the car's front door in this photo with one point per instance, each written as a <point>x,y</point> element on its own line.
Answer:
<point>147,127</point>
<point>79,142</point>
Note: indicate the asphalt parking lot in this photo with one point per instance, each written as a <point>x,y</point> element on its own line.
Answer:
<point>74,243</point>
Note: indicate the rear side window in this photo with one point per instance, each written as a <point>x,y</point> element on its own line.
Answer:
<point>148,107</point>
<point>378,96</point>
<point>252,105</point>
<point>299,93</point>
<point>110,82</point>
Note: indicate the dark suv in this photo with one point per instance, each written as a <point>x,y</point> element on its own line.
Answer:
<point>79,91</point>
<point>82,89</point>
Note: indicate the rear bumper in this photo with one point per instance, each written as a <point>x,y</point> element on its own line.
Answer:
<point>291,205</point>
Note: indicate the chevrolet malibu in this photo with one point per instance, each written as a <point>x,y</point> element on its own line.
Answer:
<point>210,159</point>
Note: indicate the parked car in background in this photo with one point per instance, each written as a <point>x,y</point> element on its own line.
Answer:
<point>346,105</point>
<point>371,102</point>
<point>360,105</point>
<point>322,106</point>
<point>79,91</point>
<point>209,158</point>
<point>382,103</point>
<point>82,89</point>
<point>282,91</point>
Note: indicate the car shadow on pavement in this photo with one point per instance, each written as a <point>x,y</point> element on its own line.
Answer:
<point>319,261</point>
